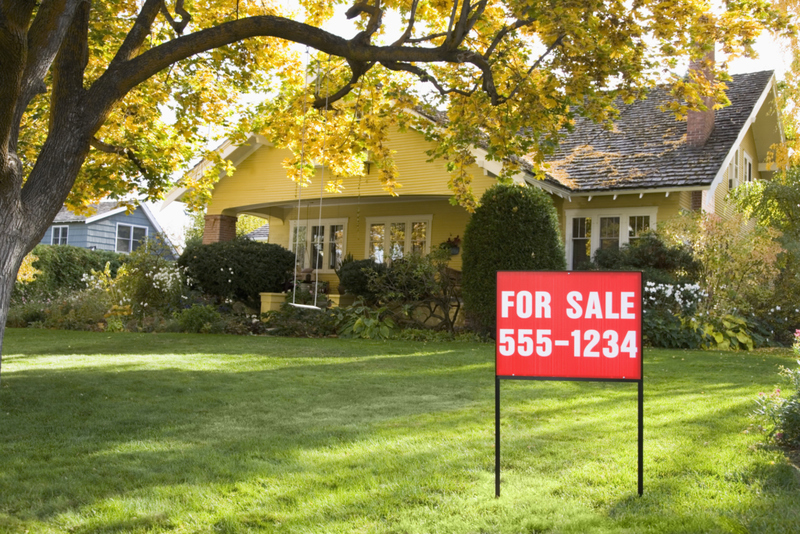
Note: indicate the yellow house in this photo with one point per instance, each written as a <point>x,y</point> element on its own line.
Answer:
<point>607,185</point>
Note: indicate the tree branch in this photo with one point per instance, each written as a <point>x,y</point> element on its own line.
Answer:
<point>179,26</point>
<point>535,65</point>
<point>411,20</point>
<point>123,76</point>
<point>502,33</point>
<point>64,151</point>
<point>424,76</point>
<point>14,20</point>
<point>358,70</point>
<point>430,37</point>
<point>139,32</point>
<point>44,39</point>
<point>120,151</point>
<point>69,67</point>
<point>375,15</point>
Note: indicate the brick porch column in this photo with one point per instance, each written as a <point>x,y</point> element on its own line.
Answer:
<point>219,228</point>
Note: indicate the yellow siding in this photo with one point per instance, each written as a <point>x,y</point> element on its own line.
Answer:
<point>668,206</point>
<point>722,206</point>
<point>685,200</point>
<point>261,178</point>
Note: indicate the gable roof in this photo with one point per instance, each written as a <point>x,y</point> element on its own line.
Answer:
<point>646,148</point>
<point>106,209</point>
<point>260,234</point>
<point>103,210</point>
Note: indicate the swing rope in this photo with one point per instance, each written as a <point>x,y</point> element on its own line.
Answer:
<point>296,235</point>
<point>321,192</point>
<point>299,206</point>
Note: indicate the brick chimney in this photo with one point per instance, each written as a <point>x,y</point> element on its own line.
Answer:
<point>700,124</point>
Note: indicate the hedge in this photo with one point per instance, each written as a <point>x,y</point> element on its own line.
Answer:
<point>238,269</point>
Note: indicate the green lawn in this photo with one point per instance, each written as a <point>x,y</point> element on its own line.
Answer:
<point>107,433</point>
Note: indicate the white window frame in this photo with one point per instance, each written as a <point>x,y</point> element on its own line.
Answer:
<point>63,232</point>
<point>308,223</point>
<point>624,215</point>
<point>132,226</point>
<point>733,172</point>
<point>747,169</point>
<point>428,219</point>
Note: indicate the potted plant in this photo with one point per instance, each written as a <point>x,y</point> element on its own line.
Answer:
<point>452,245</point>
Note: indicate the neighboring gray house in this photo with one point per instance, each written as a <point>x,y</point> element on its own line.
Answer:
<point>110,228</point>
<point>260,234</point>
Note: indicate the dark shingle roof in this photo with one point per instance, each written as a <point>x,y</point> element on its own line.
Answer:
<point>66,216</point>
<point>647,147</point>
<point>260,234</point>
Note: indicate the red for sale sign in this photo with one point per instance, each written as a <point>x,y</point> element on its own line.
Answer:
<point>569,325</point>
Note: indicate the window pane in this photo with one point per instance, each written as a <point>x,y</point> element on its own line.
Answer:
<point>581,242</point>
<point>336,246</point>
<point>376,240</point>
<point>398,240</point>
<point>318,246</point>
<point>419,233</point>
<point>609,232</point>
<point>139,235</point>
<point>637,225</point>
<point>299,245</point>
<point>59,236</point>
<point>581,227</point>
<point>123,238</point>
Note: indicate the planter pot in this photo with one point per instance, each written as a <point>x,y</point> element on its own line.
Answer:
<point>342,301</point>
<point>454,251</point>
<point>271,301</point>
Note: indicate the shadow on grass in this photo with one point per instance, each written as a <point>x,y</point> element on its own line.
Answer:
<point>392,439</point>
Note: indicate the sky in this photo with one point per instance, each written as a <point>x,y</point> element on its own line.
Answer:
<point>771,57</point>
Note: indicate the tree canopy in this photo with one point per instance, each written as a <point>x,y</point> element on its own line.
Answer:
<point>85,84</point>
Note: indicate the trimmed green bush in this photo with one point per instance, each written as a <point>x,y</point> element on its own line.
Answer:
<point>63,267</point>
<point>199,320</point>
<point>659,262</point>
<point>238,269</point>
<point>514,229</point>
<point>354,277</point>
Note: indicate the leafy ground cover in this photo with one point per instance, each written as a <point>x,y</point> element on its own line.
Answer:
<point>143,433</point>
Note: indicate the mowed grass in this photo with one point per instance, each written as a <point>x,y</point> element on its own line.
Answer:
<point>112,433</point>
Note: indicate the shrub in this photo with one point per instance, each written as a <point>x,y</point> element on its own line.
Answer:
<point>238,269</point>
<point>782,414</point>
<point>515,228</point>
<point>149,282</point>
<point>63,267</point>
<point>80,310</point>
<point>662,328</point>
<point>422,291</point>
<point>660,263</point>
<point>354,277</point>
<point>199,319</point>
<point>299,322</point>
<point>738,263</point>
<point>363,322</point>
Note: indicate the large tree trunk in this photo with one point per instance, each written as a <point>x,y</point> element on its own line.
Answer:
<point>13,247</point>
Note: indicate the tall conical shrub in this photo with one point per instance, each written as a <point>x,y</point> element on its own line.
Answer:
<point>514,229</point>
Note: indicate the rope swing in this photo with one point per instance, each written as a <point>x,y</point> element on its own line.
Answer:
<point>299,205</point>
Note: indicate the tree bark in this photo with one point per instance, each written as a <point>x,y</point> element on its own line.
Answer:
<point>13,247</point>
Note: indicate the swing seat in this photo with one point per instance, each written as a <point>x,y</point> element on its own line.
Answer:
<point>305,306</point>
